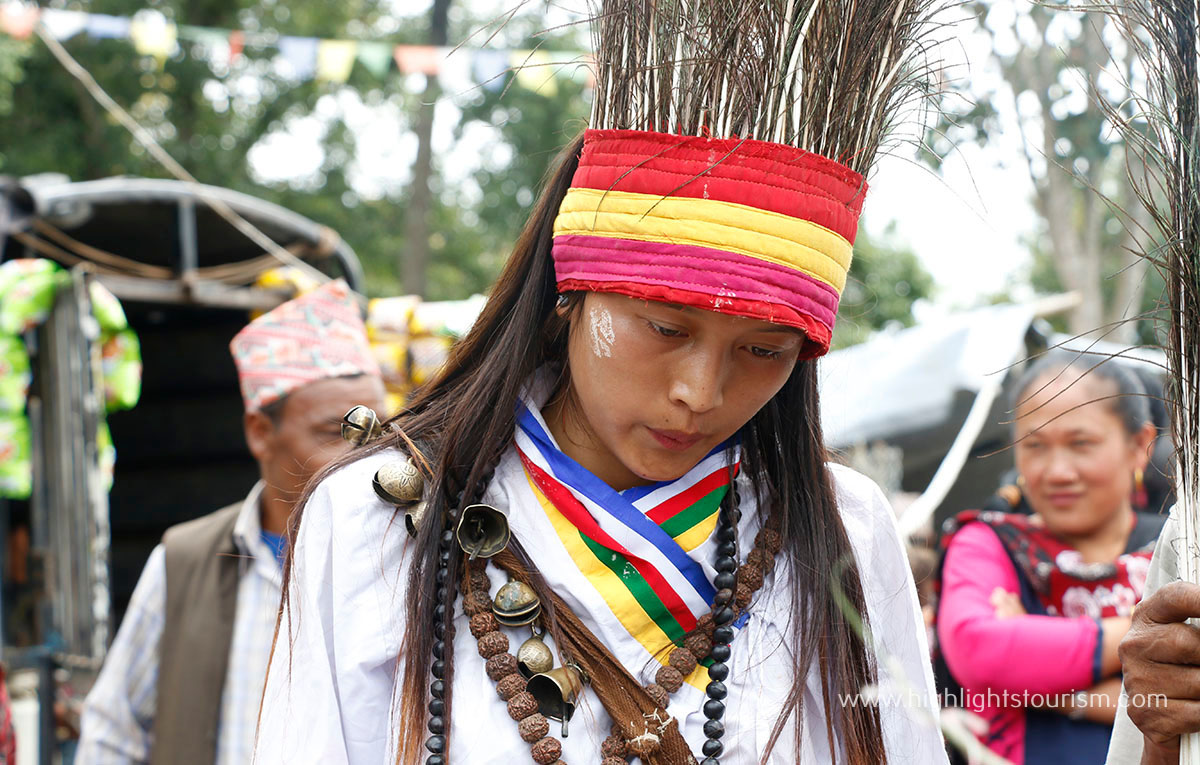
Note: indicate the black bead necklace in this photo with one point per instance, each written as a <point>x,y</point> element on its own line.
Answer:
<point>726,565</point>
<point>436,743</point>
<point>443,614</point>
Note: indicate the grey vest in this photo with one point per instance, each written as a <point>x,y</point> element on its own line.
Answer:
<point>193,655</point>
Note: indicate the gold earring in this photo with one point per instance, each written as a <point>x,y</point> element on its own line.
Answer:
<point>1021,481</point>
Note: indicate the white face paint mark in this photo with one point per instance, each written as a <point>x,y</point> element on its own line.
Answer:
<point>600,324</point>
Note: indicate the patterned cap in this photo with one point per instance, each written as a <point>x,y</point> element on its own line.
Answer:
<point>744,227</point>
<point>314,337</point>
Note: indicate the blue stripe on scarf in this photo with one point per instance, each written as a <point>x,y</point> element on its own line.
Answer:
<point>620,507</point>
<point>635,493</point>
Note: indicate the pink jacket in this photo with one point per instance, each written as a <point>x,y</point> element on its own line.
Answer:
<point>989,656</point>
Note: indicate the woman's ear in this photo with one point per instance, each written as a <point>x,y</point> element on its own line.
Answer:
<point>1143,445</point>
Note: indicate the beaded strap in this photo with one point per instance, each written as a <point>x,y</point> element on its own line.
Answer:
<point>436,743</point>
<point>443,611</point>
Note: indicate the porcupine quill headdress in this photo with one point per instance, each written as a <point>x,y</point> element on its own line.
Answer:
<point>1162,136</point>
<point>724,168</point>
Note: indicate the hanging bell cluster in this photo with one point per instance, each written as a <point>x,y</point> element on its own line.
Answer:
<point>400,483</point>
<point>556,689</point>
<point>361,425</point>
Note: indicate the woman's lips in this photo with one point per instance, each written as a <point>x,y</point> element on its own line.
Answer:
<point>1064,498</point>
<point>676,440</point>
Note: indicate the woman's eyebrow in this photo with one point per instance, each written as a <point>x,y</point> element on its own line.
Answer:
<point>788,330</point>
<point>692,309</point>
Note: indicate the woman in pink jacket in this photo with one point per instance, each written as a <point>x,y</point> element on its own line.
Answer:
<point>1032,607</point>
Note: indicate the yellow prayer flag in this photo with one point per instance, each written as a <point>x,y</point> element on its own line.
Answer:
<point>535,71</point>
<point>153,35</point>
<point>335,59</point>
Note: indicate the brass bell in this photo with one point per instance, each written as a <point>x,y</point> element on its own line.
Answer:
<point>361,425</point>
<point>482,531</point>
<point>556,692</point>
<point>413,515</point>
<point>534,656</point>
<point>399,483</point>
<point>516,604</point>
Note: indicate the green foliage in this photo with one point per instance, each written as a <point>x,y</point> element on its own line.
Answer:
<point>532,127</point>
<point>885,281</point>
<point>12,56</point>
<point>206,115</point>
<point>210,119</point>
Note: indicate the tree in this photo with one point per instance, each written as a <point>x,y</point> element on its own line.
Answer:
<point>1051,64</point>
<point>883,285</point>
<point>210,114</point>
<point>532,126</point>
<point>420,197</point>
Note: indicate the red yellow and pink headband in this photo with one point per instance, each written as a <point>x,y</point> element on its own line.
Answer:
<point>744,227</point>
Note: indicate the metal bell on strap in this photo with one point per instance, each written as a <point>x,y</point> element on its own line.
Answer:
<point>414,515</point>
<point>361,425</point>
<point>399,483</point>
<point>516,604</point>
<point>482,531</point>
<point>534,657</point>
<point>556,692</point>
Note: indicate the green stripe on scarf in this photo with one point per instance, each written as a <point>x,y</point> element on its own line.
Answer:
<point>638,588</point>
<point>685,520</point>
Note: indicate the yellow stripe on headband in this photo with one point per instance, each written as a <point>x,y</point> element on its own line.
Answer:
<point>781,239</point>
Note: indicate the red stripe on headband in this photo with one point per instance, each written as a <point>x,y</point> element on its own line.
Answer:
<point>767,176</point>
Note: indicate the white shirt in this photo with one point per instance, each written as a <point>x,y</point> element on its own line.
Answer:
<point>329,695</point>
<point>118,715</point>
<point>1125,746</point>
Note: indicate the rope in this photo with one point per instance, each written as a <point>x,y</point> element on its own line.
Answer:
<point>97,255</point>
<point>74,252</point>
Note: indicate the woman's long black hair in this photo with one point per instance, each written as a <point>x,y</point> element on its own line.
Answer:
<point>466,419</point>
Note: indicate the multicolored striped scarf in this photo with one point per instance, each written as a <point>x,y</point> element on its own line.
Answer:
<point>642,548</point>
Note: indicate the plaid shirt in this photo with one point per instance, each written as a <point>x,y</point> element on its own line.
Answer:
<point>118,716</point>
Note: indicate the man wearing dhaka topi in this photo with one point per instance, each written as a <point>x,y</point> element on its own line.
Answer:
<point>183,679</point>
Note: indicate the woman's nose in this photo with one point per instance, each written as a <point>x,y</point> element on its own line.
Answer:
<point>699,381</point>
<point>1060,468</point>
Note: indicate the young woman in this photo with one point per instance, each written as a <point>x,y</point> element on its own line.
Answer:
<point>664,564</point>
<point>1032,608</point>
